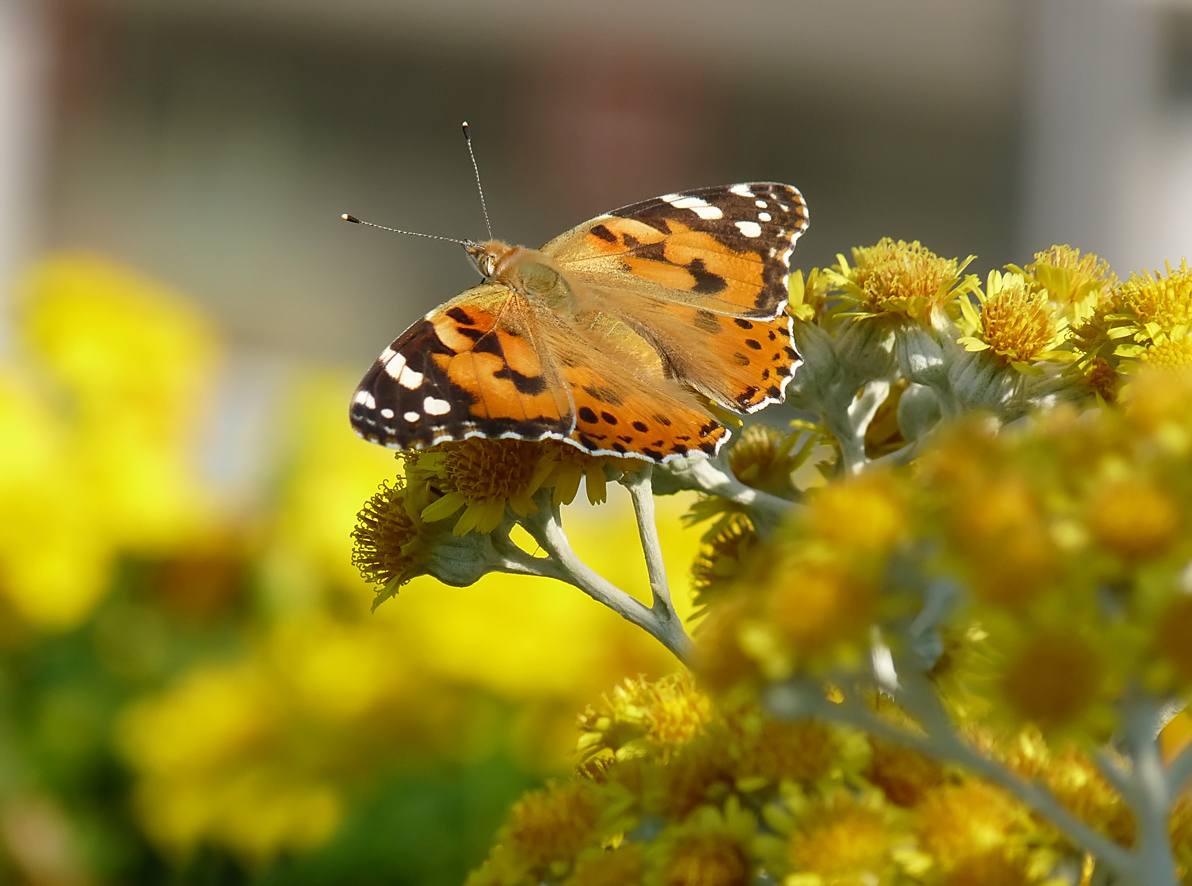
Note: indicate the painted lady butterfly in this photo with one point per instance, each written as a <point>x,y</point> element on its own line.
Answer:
<point>615,337</point>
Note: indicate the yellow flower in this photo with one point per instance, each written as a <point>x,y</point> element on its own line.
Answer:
<point>808,298</point>
<point>976,834</point>
<point>1162,303</point>
<point>723,553</point>
<point>1017,323</point>
<point>552,825</point>
<point>1169,351</point>
<point>1134,519</point>
<point>762,457</point>
<point>843,840</point>
<point>803,751</point>
<point>646,718</point>
<point>903,775</point>
<point>821,608</point>
<point>711,848</point>
<point>386,538</point>
<point>865,514</point>
<point>1075,780</point>
<point>1053,678</point>
<point>899,278</point>
<point>482,477</point>
<point>1077,283</point>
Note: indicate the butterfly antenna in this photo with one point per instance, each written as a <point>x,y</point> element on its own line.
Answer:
<point>476,169</point>
<point>367,224</point>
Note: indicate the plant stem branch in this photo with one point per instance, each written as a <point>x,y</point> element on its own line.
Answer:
<point>641,491</point>
<point>711,477</point>
<point>547,530</point>
<point>1156,864</point>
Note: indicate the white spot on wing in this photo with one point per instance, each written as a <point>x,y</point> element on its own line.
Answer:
<point>364,398</point>
<point>432,406</point>
<point>763,216</point>
<point>409,379</point>
<point>749,228</point>
<point>741,190</point>
<point>760,204</point>
<point>699,206</point>
<point>394,365</point>
<point>386,413</point>
<point>411,417</point>
<point>386,355</point>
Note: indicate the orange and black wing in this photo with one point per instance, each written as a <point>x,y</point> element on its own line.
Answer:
<point>472,367</point>
<point>702,276</point>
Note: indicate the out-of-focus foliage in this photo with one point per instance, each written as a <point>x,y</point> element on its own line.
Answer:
<point>194,686</point>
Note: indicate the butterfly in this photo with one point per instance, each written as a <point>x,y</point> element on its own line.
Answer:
<point>622,336</point>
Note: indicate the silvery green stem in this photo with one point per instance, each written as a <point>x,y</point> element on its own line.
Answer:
<point>547,529</point>
<point>713,477</point>
<point>640,490</point>
<point>1155,863</point>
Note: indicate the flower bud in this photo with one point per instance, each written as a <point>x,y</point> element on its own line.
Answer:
<point>918,411</point>
<point>865,347</point>
<point>818,370</point>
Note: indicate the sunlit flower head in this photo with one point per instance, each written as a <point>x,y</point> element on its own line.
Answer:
<point>1076,282</point>
<point>640,717</point>
<point>1164,301</point>
<point>1172,351</point>
<point>896,277</point>
<point>1017,323</point>
<point>482,477</point>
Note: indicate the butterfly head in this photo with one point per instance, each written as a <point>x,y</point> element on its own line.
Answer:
<point>488,257</point>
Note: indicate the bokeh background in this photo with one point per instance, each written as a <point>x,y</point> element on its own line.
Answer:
<point>192,689</point>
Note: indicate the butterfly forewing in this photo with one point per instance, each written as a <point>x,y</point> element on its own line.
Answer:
<point>472,367</point>
<point>724,249</point>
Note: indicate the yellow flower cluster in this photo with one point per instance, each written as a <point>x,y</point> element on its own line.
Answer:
<point>679,790</point>
<point>1033,527</point>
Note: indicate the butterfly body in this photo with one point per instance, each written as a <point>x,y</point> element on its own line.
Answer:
<point>614,337</point>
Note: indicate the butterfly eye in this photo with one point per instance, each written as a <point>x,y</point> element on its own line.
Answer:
<point>486,264</point>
